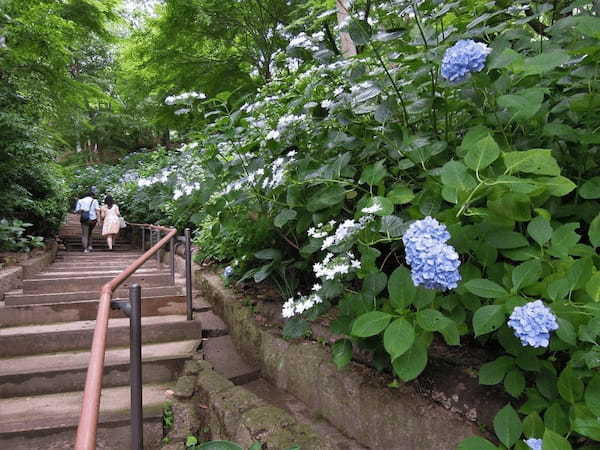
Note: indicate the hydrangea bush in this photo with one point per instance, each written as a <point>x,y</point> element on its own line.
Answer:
<point>441,186</point>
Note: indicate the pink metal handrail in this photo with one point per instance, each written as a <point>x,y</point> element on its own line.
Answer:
<point>88,420</point>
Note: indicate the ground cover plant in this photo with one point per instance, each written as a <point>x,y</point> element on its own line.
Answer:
<point>441,184</point>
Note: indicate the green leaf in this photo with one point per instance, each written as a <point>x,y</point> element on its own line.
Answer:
<point>487,319</point>
<point>401,288</point>
<point>374,283</point>
<point>570,387</point>
<point>485,152</point>
<point>341,352</point>
<point>284,217</point>
<point>585,422</point>
<point>524,104</point>
<point>268,254</point>
<point>533,426</point>
<point>400,195</point>
<point>540,230</point>
<point>514,383</point>
<point>580,272</point>
<point>526,274</point>
<point>592,395</point>
<point>566,331</point>
<point>325,197</point>
<point>392,226</point>
<point>564,239</point>
<point>594,231</point>
<point>360,31</point>
<point>544,62</point>
<point>476,443</point>
<point>431,320</point>
<point>296,328</point>
<point>592,287</point>
<point>556,418</point>
<point>409,365</point>
<point>191,441</point>
<point>493,372</point>
<point>485,288</point>
<point>507,426</point>
<point>398,338</point>
<point>538,161</point>
<point>374,173</point>
<point>554,441</point>
<point>370,324</point>
<point>450,333</point>
<point>504,239</point>
<point>590,189</point>
<point>557,186</point>
<point>455,175</point>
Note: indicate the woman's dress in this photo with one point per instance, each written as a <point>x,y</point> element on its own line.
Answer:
<point>112,223</point>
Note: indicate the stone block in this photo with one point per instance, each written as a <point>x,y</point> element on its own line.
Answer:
<point>210,382</point>
<point>273,359</point>
<point>184,388</point>
<point>228,407</point>
<point>186,421</point>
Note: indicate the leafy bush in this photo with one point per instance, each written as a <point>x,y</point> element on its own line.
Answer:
<point>12,238</point>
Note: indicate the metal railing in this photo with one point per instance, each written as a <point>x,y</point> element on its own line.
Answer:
<point>88,421</point>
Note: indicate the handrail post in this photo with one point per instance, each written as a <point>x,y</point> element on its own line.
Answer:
<point>172,254</point>
<point>143,238</point>
<point>159,250</point>
<point>188,272</point>
<point>135,367</point>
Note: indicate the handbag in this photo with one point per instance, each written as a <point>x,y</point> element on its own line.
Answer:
<point>122,222</point>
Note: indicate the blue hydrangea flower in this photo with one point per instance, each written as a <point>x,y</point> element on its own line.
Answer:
<point>462,58</point>
<point>534,444</point>
<point>433,263</point>
<point>533,323</point>
<point>228,272</point>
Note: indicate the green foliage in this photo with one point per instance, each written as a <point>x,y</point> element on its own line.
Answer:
<point>12,238</point>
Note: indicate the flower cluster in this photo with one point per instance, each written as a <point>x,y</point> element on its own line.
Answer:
<point>534,444</point>
<point>228,272</point>
<point>304,303</point>
<point>347,229</point>
<point>332,266</point>
<point>182,98</point>
<point>462,58</point>
<point>434,264</point>
<point>533,323</point>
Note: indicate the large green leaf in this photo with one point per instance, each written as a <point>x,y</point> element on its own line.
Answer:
<point>592,395</point>
<point>401,288</point>
<point>482,154</point>
<point>507,426</point>
<point>554,441</point>
<point>398,337</point>
<point>409,365</point>
<point>538,161</point>
<point>504,239</point>
<point>493,372</point>
<point>590,189</point>
<point>524,104</point>
<point>370,324</point>
<point>325,197</point>
<point>476,443</point>
<point>485,288</point>
<point>594,232</point>
<point>487,319</point>
<point>570,387</point>
<point>455,175</point>
<point>284,217</point>
<point>526,274</point>
<point>540,230</point>
<point>432,320</point>
<point>374,173</point>
<point>544,62</point>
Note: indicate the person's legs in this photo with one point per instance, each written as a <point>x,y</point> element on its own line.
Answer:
<point>85,235</point>
<point>109,241</point>
<point>91,226</point>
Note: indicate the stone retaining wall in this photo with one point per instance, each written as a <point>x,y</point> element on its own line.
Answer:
<point>12,277</point>
<point>356,399</point>
<point>205,400</point>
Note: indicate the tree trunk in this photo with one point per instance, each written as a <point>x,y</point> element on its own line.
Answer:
<point>348,47</point>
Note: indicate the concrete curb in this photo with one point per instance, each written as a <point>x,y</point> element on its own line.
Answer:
<point>356,400</point>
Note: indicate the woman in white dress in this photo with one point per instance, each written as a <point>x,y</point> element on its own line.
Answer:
<point>112,224</point>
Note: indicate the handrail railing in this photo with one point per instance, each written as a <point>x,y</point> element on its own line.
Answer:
<point>88,420</point>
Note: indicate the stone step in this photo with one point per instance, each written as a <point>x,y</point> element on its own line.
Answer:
<point>114,255</point>
<point>19,298</point>
<point>90,272</point>
<point>49,421</point>
<point>13,316</point>
<point>212,325</point>
<point>83,266</point>
<point>86,283</point>
<point>222,354</point>
<point>37,339</point>
<point>66,371</point>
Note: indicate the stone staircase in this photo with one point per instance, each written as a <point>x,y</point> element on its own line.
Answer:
<point>46,333</point>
